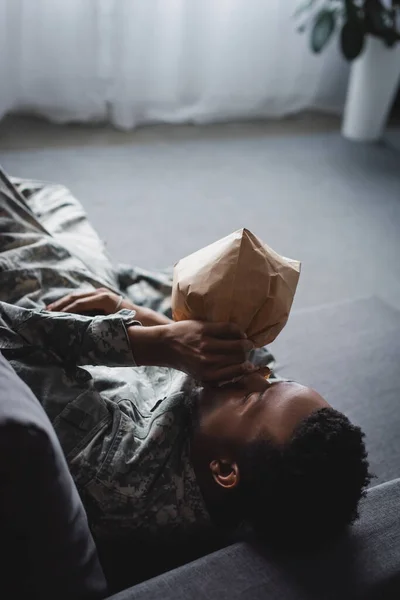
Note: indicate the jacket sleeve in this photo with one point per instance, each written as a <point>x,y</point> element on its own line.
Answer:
<point>75,339</point>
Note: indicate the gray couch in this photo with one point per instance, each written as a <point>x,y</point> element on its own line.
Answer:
<point>364,564</point>
<point>48,551</point>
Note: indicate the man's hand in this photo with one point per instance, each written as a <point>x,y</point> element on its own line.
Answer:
<point>210,352</point>
<point>103,301</point>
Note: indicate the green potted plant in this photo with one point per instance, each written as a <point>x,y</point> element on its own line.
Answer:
<point>369,36</point>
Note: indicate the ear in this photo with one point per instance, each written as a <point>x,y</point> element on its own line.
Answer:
<point>225,473</point>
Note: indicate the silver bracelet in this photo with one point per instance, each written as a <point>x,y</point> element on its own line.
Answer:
<point>120,301</point>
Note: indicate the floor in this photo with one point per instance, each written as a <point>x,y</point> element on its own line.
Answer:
<point>159,193</point>
<point>162,192</point>
<point>23,132</point>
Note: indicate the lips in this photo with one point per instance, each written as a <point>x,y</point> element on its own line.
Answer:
<point>245,398</point>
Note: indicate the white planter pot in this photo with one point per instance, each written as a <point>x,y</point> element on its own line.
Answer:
<point>374,81</point>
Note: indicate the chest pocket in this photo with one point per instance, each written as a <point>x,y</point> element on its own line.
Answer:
<point>80,420</point>
<point>139,416</point>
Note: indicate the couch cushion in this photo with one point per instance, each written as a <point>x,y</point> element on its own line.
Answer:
<point>43,523</point>
<point>365,564</point>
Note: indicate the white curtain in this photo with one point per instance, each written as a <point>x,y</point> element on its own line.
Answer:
<point>138,61</point>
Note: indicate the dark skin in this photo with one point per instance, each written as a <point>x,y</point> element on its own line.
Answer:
<point>209,352</point>
<point>230,416</point>
<point>236,415</point>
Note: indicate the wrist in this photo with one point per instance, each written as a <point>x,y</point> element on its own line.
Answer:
<point>127,304</point>
<point>149,345</point>
<point>146,316</point>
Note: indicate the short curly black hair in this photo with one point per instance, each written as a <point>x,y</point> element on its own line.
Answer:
<point>306,492</point>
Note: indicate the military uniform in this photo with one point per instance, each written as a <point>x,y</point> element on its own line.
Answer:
<point>125,430</point>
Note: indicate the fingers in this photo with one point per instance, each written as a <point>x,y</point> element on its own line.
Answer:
<point>61,304</point>
<point>228,347</point>
<point>208,351</point>
<point>217,354</point>
<point>83,305</point>
<point>224,331</point>
<point>228,373</point>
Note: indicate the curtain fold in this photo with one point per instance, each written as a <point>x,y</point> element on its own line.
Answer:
<point>140,61</point>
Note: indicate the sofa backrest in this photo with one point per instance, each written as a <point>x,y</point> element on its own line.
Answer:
<point>46,547</point>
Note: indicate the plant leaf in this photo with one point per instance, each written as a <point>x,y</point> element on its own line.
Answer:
<point>375,14</point>
<point>351,9</point>
<point>322,30</point>
<point>352,39</point>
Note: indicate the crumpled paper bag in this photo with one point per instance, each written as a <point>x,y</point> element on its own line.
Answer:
<point>240,280</point>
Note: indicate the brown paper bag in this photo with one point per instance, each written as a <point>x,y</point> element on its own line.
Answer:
<point>240,280</point>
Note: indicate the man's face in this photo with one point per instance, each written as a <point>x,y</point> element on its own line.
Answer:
<point>255,409</point>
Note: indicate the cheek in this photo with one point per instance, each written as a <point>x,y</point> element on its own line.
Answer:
<point>223,424</point>
<point>257,424</point>
<point>272,427</point>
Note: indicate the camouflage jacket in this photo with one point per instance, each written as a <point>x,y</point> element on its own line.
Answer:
<point>125,430</point>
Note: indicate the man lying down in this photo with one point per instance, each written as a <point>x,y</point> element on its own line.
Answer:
<point>152,452</point>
